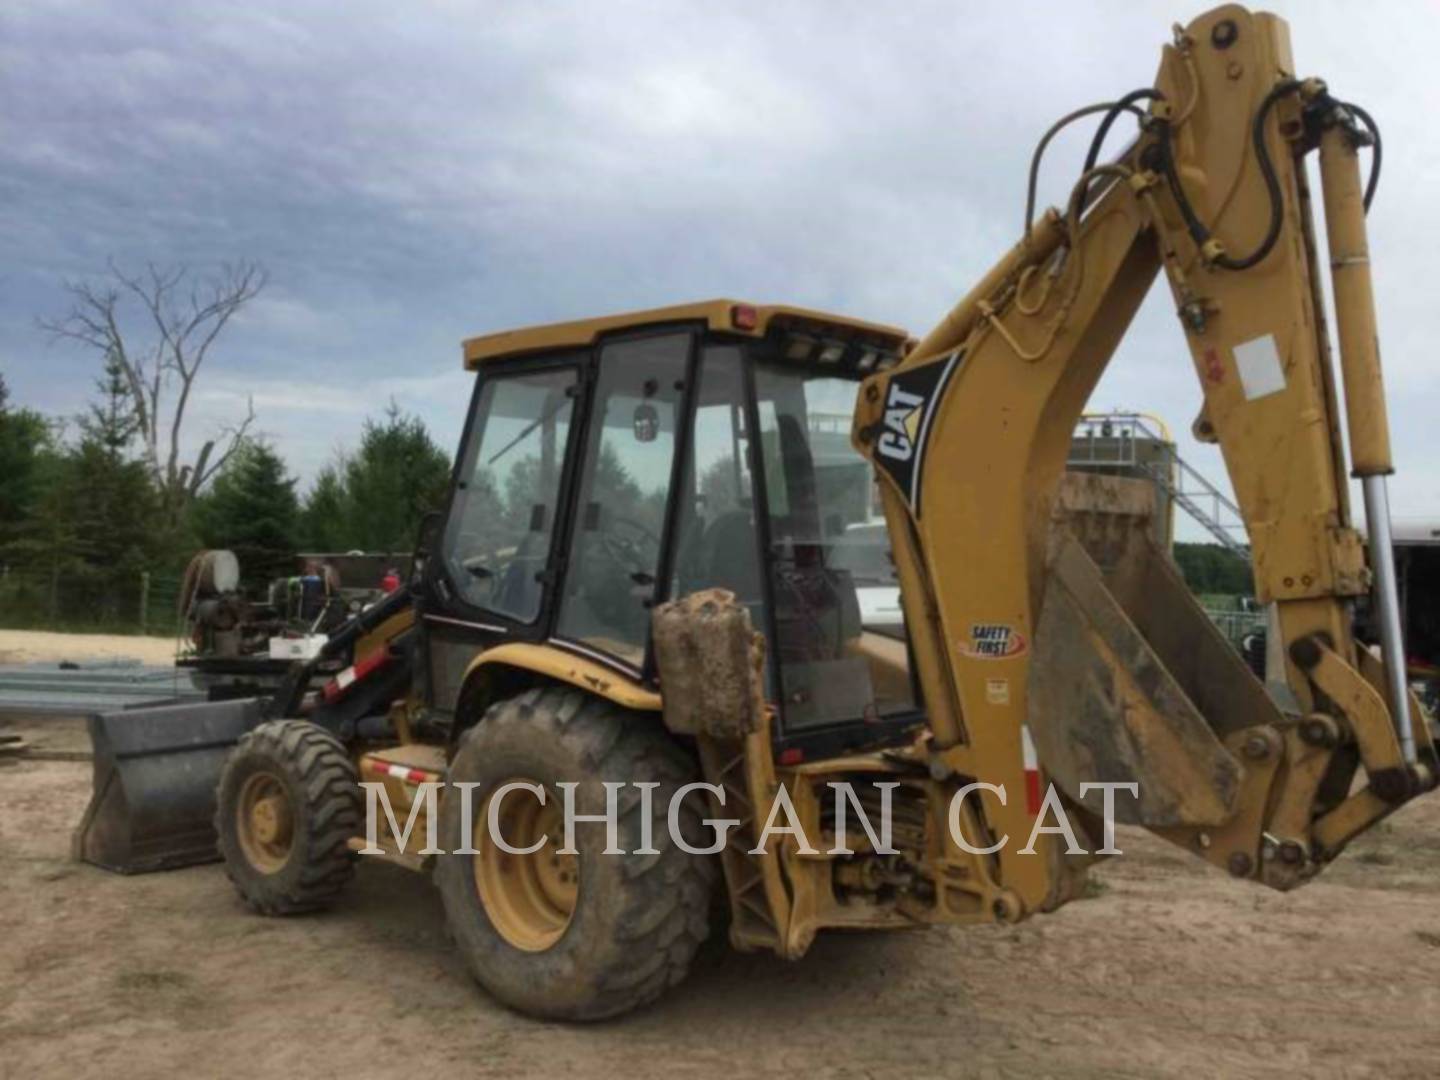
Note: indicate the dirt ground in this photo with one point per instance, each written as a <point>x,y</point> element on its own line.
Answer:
<point>28,646</point>
<point>1171,970</point>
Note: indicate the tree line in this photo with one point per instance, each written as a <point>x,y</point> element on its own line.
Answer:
<point>82,519</point>
<point>93,506</point>
<point>1210,569</point>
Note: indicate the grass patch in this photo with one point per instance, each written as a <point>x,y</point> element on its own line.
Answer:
<point>150,992</point>
<point>152,981</point>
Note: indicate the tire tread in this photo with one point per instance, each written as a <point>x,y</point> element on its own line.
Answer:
<point>317,763</point>
<point>664,914</point>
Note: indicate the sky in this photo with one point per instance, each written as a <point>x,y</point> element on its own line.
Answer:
<point>414,174</point>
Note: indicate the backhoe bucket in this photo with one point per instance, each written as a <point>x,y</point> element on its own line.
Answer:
<point>1131,680</point>
<point>156,769</point>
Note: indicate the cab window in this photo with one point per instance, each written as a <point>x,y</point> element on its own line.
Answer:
<point>839,631</point>
<point>498,538</point>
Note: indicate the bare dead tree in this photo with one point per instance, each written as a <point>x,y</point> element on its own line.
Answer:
<point>185,313</point>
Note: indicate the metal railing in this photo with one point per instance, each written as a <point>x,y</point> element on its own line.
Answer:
<point>1111,440</point>
<point>1237,625</point>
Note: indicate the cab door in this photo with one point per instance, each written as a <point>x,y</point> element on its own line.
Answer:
<point>491,578</point>
<point>623,499</point>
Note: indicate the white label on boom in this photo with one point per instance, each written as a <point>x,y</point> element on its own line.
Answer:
<point>1258,362</point>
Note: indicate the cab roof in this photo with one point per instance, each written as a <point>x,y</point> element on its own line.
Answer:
<point>729,316</point>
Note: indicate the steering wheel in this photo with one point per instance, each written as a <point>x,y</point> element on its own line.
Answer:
<point>637,552</point>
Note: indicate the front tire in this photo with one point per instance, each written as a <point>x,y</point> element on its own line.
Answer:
<point>287,805</point>
<point>579,937</point>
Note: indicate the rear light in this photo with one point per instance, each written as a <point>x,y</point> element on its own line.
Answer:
<point>791,755</point>
<point>744,317</point>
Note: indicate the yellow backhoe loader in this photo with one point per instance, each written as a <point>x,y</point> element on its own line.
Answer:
<point>648,604</point>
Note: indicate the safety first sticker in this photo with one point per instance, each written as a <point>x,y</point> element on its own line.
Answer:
<point>994,641</point>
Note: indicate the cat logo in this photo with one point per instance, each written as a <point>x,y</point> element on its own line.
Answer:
<point>903,411</point>
<point>912,401</point>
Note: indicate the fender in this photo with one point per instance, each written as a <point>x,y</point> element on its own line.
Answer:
<point>504,662</point>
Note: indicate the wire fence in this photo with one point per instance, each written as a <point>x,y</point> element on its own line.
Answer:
<point>1237,625</point>
<point>147,602</point>
<point>90,600</point>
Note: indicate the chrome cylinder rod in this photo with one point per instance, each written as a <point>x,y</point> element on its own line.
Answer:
<point>1387,609</point>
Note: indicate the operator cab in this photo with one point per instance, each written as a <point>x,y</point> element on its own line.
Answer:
<point>613,464</point>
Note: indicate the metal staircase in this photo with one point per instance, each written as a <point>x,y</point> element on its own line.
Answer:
<point>1140,445</point>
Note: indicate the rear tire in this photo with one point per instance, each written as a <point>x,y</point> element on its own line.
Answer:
<point>538,939</point>
<point>287,805</point>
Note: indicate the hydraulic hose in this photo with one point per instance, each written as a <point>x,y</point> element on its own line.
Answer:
<point>1374,130</point>
<point>1198,230</point>
<point>1055,129</point>
<point>1145,93</point>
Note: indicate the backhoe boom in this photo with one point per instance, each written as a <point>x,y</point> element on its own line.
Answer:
<point>1037,621</point>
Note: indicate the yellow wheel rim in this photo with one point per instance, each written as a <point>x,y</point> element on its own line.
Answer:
<point>265,822</point>
<point>530,899</point>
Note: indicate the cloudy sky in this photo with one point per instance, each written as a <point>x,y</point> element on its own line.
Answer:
<point>412,174</point>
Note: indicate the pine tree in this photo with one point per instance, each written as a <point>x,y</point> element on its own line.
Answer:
<point>252,509</point>
<point>395,477</point>
<point>324,520</point>
<point>111,422</point>
<point>26,444</point>
<point>110,506</point>
<point>90,533</point>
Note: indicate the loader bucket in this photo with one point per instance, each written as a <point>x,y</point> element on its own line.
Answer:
<point>1131,680</point>
<point>156,769</point>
